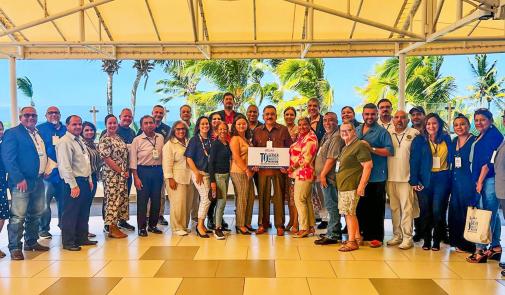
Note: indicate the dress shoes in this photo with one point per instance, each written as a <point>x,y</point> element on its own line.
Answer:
<point>142,232</point>
<point>88,243</point>
<point>36,247</point>
<point>154,230</point>
<point>72,247</point>
<point>325,241</point>
<point>261,230</point>
<point>17,255</point>
<point>280,231</point>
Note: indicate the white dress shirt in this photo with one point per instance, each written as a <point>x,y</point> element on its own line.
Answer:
<point>73,159</point>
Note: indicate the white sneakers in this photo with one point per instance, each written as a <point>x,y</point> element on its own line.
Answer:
<point>406,244</point>
<point>181,233</point>
<point>403,244</point>
<point>394,241</point>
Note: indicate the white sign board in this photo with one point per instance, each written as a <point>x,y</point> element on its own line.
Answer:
<point>264,157</point>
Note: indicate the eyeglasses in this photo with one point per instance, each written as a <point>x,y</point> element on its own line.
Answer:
<point>30,115</point>
<point>53,113</point>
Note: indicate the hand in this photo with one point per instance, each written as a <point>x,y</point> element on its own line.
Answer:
<point>91,185</point>
<point>361,190</point>
<point>255,168</point>
<point>74,192</point>
<point>213,186</point>
<point>284,170</point>
<point>138,183</point>
<point>418,187</point>
<point>479,187</point>
<point>199,178</point>
<point>324,183</point>
<point>172,184</point>
<point>125,174</point>
<point>22,186</point>
<point>249,173</point>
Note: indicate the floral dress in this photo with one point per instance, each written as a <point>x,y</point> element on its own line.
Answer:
<point>4,203</point>
<point>114,184</point>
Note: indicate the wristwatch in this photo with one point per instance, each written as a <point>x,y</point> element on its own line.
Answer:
<point>374,149</point>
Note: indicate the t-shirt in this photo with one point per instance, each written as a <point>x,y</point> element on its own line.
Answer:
<point>350,169</point>
<point>329,148</point>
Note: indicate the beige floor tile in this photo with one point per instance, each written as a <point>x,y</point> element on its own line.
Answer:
<point>289,240</point>
<point>221,252</point>
<point>475,271</point>
<point>303,268</point>
<point>278,252</point>
<point>57,253</point>
<point>211,286</point>
<point>471,287</point>
<point>170,253</point>
<point>157,240</point>
<point>119,253</point>
<point>25,286</point>
<point>422,270</point>
<point>188,269</point>
<point>163,286</point>
<point>82,286</point>
<point>193,240</point>
<point>129,268</point>
<point>22,269</point>
<point>72,269</point>
<point>329,252</point>
<point>362,269</point>
<point>407,286</point>
<point>341,286</point>
<point>277,286</point>
<point>418,254</point>
<point>382,253</point>
<point>249,241</point>
<point>246,269</point>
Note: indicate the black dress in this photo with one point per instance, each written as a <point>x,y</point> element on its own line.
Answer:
<point>4,203</point>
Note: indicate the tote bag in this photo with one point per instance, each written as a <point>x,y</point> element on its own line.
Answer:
<point>477,226</point>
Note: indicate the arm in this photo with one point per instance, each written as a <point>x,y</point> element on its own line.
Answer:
<point>235,155</point>
<point>133,164</point>
<point>367,170</point>
<point>64,156</point>
<point>328,165</point>
<point>9,156</point>
<point>482,176</point>
<point>168,165</point>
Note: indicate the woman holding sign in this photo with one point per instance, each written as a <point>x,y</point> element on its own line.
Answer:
<point>482,157</point>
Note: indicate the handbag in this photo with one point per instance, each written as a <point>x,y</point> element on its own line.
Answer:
<point>477,226</point>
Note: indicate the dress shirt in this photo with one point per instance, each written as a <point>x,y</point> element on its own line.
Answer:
<point>174,162</point>
<point>390,127</point>
<point>41,149</point>
<point>398,165</point>
<point>279,135</point>
<point>141,151</point>
<point>378,137</point>
<point>73,159</point>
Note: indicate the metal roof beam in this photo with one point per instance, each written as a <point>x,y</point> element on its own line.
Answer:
<point>152,20</point>
<point>102,22</point>
<point>44,8</point>
<point>354,23</point>
<point>191,7</point>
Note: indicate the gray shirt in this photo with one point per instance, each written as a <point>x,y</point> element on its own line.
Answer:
<point>73,159</point>
<point>329,148</point>
<point>499,169</point>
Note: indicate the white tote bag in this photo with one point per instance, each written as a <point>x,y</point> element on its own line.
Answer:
<point>477,226</point>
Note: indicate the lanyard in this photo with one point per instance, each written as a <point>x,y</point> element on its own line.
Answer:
<point>80,144</point>
<point>435,146</point>
<point>34,136</point>
<point>399,140</point>
<point>204,146</point>
<point>153,144</point>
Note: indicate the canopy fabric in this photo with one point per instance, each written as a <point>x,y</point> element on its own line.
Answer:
<point>198,29</point>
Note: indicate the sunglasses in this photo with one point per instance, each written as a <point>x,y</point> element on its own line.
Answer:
<point>53,113</point>
<point>30,116</point>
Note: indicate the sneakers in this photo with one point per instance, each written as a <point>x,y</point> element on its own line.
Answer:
<point>181,233</point>
<point>394,241</point>
<point>218,233</point>
<point>45,235</point>
<point>406,245</point>
<point>125,225</point>
<point>162,220</point>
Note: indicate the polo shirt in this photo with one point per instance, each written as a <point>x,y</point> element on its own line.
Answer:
<point>198,150</point>
<point>390,127</point>
<point>378,137</point>
<point>399,165</point>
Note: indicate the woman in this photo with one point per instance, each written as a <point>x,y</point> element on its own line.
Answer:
<point>482,156</point>
<point>354,166</point>
<point>463,188</point>
<point>289,119</point>
<point>349,116</point>
<point>177,177</point>
<point>197,156</point>
<point>115,175</point>
<point>219,172</point>
<point>241,175</point>
<point>215,120</point>
<point>4,203</point>
<point>430,161</point>
<point>89,134</point>
<point>301,167</point>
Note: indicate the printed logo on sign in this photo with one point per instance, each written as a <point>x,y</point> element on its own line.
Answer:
<point>473,225</point>
<point>271,158</point>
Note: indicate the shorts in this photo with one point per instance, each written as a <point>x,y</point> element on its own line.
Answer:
<point>347,202</point>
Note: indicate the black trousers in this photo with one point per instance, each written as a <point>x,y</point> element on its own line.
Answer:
<point>152,183</point>
<point>370,211</point>
<point>75,217</point>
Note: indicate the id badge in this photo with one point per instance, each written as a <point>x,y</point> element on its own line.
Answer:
<point>457,162</point>
<point>337,166</point>
<point>436,162</point>
<point>493,156</point>
<point>269,144</point>
<point>156,155</point>
<point>56,139</point>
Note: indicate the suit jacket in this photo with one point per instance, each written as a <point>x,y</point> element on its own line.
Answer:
<point>499,168</point>
<point>20,156</point>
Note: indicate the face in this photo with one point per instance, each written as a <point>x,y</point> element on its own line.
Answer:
<point>222,131</point>
<point>417,118</point>
<point>204,126</point>
<point>400,120</point>
<point>289,117</point>
<point>313,108</point>
<point>241,125</point>
<point>369,116</point>
<point>330,122</point>
<point>216,120</point>
<point>53,115</point>
<point>347,115</point>
<point>88,132</point>
<point>228,102</point>
<point>148,125</point>
<point>482,123</point>
<point>185,113</point>
<point>270,116</point>
<point>461,127</point>
<point>252,113</point>
<point>125,118</point>
<point>347,132</point>
<point>111,125</point>
<point>180,131</point>
<point>28,117</point>
<point>75,126</point>
<point>432,126</point>
<point>303,126</point>
<point>385,109</point>
<point>158,114</point>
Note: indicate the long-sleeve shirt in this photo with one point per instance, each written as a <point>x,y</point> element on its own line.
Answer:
<point>219,159</point>
<point>73,159</point>
<point>174,162</point>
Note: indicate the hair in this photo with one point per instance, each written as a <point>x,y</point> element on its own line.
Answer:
<point>384,100</point>
<point>290,108</point>
<point>442,127</point>
<point>228,94</point>
<point>172,131</point>
<point>197,125</point>
<point>185,106</point>
<point>331,113</point>
<point>251,106</point>
<point>145,117</point>
<point>350,124</point>
<point>158,106</point>
<point>348,107</point>
<point>24,108</point>
<point>370,106</point>
<point>461,116</point>
<point>314,100</point>
<point>2,123</point>
<point>215,113</point>
<point>269,107</point>
<point>306,119</point>
<point>67,121</point>
<point>484,112</point>
<point>90,125</point>
<point>234,126</point>
<point>108,117</point>
<point>125,109</point>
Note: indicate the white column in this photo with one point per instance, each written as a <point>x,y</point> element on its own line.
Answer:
<point>401,82</point>
<point>13,90</point>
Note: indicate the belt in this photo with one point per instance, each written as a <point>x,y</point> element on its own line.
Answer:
<point>149,166</point>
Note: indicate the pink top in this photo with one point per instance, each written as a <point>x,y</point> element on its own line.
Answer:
<point>303,152</point>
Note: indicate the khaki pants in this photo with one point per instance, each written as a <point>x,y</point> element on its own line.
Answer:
<point>179,202</point>
<point>265,197</point>
<point>303,203</point>
<point>403,209</point>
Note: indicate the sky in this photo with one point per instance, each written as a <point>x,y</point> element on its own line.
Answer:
<point>76,86</point>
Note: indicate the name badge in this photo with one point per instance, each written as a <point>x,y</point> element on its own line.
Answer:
<point>56,139</point>
<point>269,144</point>
<point>493,156</point>
<point>436,162</point>
<point>337,166</point>
<point>457,162</point>
<point>156,155</point>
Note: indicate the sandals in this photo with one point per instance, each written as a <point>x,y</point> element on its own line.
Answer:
<point>426,245</point>
<point>492,254</point>
<point>477,257</point>
<point>436,246</point>
<point>349,246</point>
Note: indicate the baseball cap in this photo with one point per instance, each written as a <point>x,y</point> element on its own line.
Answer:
<point>418,109</point>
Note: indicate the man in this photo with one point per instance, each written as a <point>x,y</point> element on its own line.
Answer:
<point>417,115</point>
<point>329,149</point>
<point>228,113</point>
<point>277,136</point>
<point>385,110</point>
<point>24,156</point>
<point>404,206</point>
<point>185,115</point>
<point>252,116</point>
<point>145,164</point>
<point>372,206</point>
<point>75,169</point>
<point>51,131</point>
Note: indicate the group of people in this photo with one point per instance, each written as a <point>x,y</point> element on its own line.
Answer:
<point>429,178</point>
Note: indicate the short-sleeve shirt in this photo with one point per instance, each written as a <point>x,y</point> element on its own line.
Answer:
<point>141,151</point>
<point>350,169</point>
<point>329,148</point>
<point>198,150</point>
<point>378,137</point>
<point>399,165</point>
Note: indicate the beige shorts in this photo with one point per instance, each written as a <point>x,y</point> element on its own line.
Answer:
<point>347,202</point>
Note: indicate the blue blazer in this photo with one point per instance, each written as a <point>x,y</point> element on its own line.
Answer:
<point>20,156</point>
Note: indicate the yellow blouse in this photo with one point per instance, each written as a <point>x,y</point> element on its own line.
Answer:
<point>441,151</point>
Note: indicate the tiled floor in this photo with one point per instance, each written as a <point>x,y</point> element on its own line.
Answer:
<point>265,264</point>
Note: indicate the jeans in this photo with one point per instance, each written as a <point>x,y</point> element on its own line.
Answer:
<point>222,189</point>
<point>51,190</point>
<point>26,210</point>
<point>331,203</point>
<point>491,203</point>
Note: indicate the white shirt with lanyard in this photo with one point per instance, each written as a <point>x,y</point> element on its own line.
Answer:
<point>155,153</point>
<point>40,147</point>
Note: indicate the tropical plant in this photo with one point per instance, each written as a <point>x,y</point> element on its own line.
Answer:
<point>25,85</point>
<point>111,67</point>
<point>180,82</point>
<point>143,68</point>
<point>487,86</point>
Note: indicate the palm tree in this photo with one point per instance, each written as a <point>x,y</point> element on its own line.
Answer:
<point>111,67</point>
<point>487,86</point>
<point>180,82</point>
<point>143,68</point>
<point>25,85</point>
